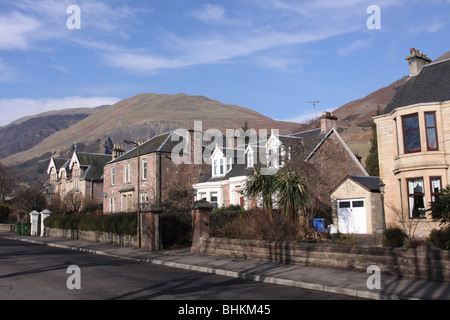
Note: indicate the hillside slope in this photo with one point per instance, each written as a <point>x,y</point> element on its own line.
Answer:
<point>145,115</point>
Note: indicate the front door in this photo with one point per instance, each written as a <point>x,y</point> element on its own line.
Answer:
<point>352,216</point>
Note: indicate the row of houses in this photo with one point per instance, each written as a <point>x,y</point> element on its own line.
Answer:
<point>413,141</point>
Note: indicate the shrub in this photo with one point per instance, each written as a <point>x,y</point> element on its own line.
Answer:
<point>176,229</point>
<point>440,238</point>
<point>119,223</point>
<point>260,225</point>
<point>394,237</point>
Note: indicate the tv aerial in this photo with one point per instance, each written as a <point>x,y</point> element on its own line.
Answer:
<point>314,105</point>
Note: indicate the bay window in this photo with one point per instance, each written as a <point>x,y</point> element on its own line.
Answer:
<point>416,198</point>
<point>411,133</point>
<point>435,188</point>
<point>430,124</point>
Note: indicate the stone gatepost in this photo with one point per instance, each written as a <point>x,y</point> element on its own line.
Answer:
<point>200,212</point>
<point>34,220</point>
<point>44,215</point>
<point>150,228</point>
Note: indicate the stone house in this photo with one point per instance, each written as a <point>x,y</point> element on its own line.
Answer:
<point>159,176</point>
<point>80,176</point>
<point>357,205</point>
<point>414,143</point>
<point>322,152</point>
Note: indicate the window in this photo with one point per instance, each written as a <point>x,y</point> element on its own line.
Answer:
<point>113,176</point>
<point>411,133</point>
<point>250,159</point>
<point>144,199</point>
<point>214,199</point>
<point>112,204</point>
<point>221,166</point>
<point>229,164</point>
<point>144,169</point>
<point>358,204</point>
<point>416,198</point>
<point>215,168</point>
<point>430,125</point>
<point>435,187</point>
<point>344,204</point>
<point>127,172</point>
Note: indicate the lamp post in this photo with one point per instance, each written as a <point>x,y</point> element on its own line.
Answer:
<point>138,190</point>
<point>382,186</point>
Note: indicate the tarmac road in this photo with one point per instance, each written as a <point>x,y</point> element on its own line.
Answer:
<point>35,272</point>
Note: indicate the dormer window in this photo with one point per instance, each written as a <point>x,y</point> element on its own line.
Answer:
<point>220,164</point>
<point>250,159</point>
<point>229,164</point>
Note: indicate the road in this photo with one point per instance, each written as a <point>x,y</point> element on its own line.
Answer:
<point>31,271</point>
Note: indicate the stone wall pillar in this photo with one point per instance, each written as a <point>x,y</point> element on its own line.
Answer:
<point>150,228</point>
<point>44,215</point>
<point>34,220</point>
<point>200,212</point>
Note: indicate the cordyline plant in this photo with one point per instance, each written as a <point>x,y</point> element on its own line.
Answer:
<point>440,208</point>
<point>292,191</point>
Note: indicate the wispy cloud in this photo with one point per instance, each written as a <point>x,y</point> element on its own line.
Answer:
<point>13,109</point>
<point>17,31</point>
<point>354,46</point>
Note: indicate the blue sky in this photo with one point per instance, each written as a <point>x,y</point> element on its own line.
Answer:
<point>271,56</point>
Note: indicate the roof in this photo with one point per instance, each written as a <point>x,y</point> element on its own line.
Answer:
<point>60,162</point>
<point>370,183</point>
<point>309,139</point>
<point>57,163</point>
<point>430,85</point>
<point>160,143</point>
<point>93,164</point>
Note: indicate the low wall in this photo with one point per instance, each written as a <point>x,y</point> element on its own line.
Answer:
<point>5,227</point>
<point>102,237</point>
<point>412,263</point>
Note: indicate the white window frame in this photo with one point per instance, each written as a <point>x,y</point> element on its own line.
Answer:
<point>144,169</point>
<point>113,176</point>
<point>127,172</point>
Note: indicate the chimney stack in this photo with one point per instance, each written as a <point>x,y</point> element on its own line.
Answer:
<point>416,61</point>
<point>327,121</point>
<point>117,151</point>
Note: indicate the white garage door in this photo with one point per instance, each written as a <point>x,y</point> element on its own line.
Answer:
<point>352,216</point>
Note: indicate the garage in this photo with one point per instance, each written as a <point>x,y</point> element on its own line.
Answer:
<point>352,216</point>
<point>357,205</point>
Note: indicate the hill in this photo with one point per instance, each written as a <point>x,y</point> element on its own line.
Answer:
<point>139,118</point>
<point>26,132</point>
<point>355,118</point>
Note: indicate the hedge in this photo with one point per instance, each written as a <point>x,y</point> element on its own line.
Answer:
<point>117,223</point>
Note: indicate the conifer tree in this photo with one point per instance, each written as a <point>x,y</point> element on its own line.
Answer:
<point>372,166</point>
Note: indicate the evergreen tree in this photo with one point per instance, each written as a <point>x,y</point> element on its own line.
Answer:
<point>372,166</point>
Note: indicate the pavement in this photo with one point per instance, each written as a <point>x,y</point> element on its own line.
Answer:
<point>350,283</point>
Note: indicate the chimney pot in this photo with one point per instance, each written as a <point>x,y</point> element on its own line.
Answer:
<point>327,121</point>
<point>416,61</point>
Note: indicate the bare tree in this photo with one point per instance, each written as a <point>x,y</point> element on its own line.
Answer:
<point>8,181</point>
<point>408,225</point>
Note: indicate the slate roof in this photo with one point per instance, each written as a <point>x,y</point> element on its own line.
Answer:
<point>160,143</point>
<point>60,162</point>
<point>432,84</point>
<point>370,183</point>
<point>92,164</point>
<point>309,139</point>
